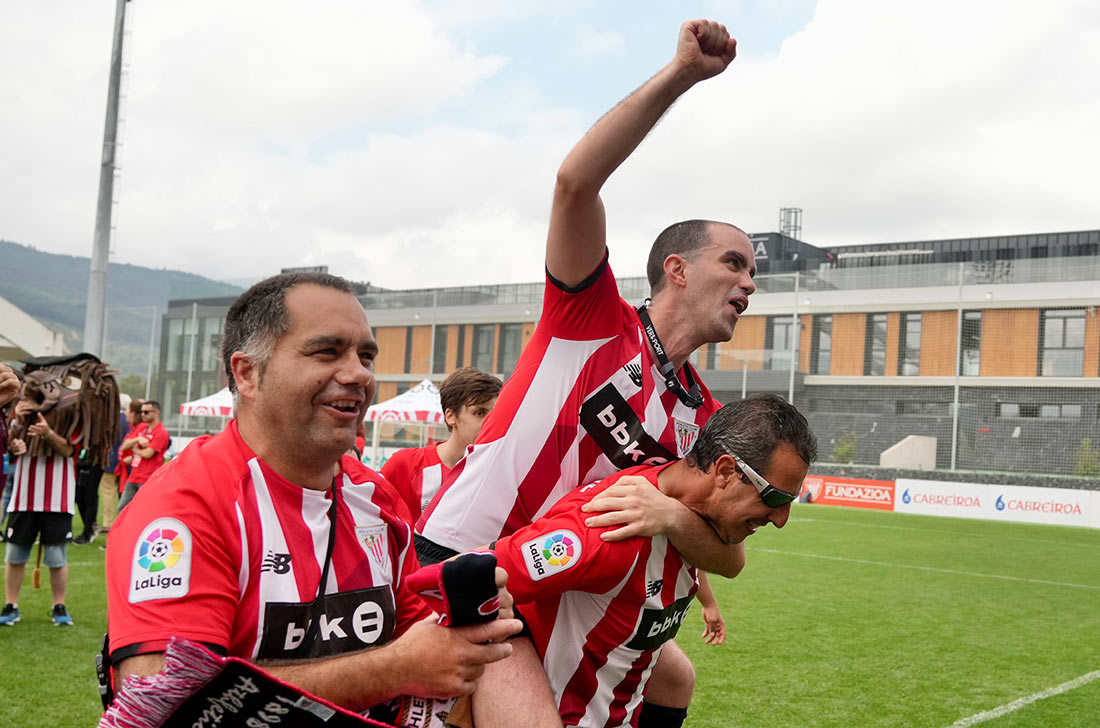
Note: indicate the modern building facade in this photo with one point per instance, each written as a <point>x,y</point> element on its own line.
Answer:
<point>989,345</point>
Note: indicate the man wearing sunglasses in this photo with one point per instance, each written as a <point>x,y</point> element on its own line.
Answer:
<point>600,611</point>
<point>149,446</point>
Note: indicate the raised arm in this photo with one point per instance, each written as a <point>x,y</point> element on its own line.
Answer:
<point>577,238</point>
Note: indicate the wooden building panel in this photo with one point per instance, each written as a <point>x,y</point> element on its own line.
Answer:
<point>528,330</point>
<point>468,347</point>
<point>420,361</point>
<point>893,335</point>
<point>1092,341</point>
<point>452,348</point>
<point>386,390</point>
<point>746,345</point>
<point>1010,342</point>
<point>391,350</point>
<point>805,337</point>
<point>849,333</point>
<point>939,332</point>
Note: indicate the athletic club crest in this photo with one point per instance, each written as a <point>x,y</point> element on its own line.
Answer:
<point>686,434</point>
<point>375,544</point>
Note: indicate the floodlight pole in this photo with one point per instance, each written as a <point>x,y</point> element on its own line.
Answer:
<point>96,311</point>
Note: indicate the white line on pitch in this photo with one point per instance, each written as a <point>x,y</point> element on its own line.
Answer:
<point>1017,704</point>
<point>927,568</point>
<point>997,536</point>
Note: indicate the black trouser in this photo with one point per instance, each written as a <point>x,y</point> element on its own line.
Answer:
<point>87,496</point>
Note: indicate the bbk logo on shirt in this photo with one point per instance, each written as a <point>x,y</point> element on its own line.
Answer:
<point>658,626</point>
<point>615,427</point>
<point>551,553</point>
<point>345,622</point>
<point>161,566</point>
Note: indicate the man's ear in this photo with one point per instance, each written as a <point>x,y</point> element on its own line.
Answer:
<point>676,270</point>
<point>450,417</point>
<point>246,374</point>
<point>726,471</point>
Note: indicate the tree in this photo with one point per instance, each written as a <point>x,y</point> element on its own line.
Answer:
<point>845,450</point>
<point>133,385</point>
<point>1088,460</point>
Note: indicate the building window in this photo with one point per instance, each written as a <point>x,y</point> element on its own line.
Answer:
<point>710,360</point>
<point>408,349</point>
<point>1042,411</point>
<point>909,345</point>
<point>821,349</point>
<point>971,344</point>
<point>777,342</point>
<point>874,353</point>
<point>211,342</point>
<point>460,352</point>
<point>483,347</point>
<point>439,350</point>
<point>175,341</point>
<point>511,341</point>
<point>1063,343</point>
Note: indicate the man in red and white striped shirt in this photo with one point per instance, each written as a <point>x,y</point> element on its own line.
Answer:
<point>266,542</point>
<point>467,396</point>
<point>600,611</point>
<point>43,501</point>
<point>603,385</point>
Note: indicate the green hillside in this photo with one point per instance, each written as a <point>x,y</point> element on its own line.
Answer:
<point>54,289</point>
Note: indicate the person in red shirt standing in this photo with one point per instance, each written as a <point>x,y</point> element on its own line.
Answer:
<point>149,446</point>
<point>467,396</point>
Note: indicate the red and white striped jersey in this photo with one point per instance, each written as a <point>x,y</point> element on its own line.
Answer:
<point>220,549</point>
<point>599,612</point>
<point>44,484</point>
<point>586,399</point>
<point>416,473</point>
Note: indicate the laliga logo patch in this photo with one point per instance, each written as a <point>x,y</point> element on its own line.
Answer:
<point>551,553</point>
<point>161,566</point>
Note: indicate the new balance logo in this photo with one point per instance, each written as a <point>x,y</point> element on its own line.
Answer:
<point>653,588</point>
<point>278,563</point>
<point>635,372</point>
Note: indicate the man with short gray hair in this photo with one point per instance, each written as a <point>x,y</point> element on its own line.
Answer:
<point>266,542</point>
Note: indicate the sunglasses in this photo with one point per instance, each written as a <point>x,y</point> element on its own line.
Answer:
<point>147,412</point>
<point>773,497</point>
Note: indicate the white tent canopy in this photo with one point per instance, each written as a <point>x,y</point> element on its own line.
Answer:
<point>219,404</point>
<point>419,404</point>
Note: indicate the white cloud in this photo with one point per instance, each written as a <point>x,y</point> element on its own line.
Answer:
<point>590,43</point>
<point>362,135</point>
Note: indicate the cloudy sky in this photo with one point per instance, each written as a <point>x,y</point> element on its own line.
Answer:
<point>415,143</point>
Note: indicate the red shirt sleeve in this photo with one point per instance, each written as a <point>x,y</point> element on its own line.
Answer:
<point>591,310</point>
<point>159,439</point>
<point>558,553</point>
<point>172,566</point>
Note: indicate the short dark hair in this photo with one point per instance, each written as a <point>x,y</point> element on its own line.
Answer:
<point>152,403</point>
<point>258,318</point>
<point>752,428</point>
<point>680,238</point>
<point>466,387</point>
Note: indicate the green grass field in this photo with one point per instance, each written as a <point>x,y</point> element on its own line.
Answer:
<point>846,617</point>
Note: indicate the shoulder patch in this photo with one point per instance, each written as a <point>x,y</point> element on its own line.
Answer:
<point>161,567</point>
<point>551,553</point>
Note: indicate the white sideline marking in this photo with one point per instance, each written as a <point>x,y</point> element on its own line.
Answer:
<point>944,530</point>
<point>1017,704</point>
<point>927,568</point>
